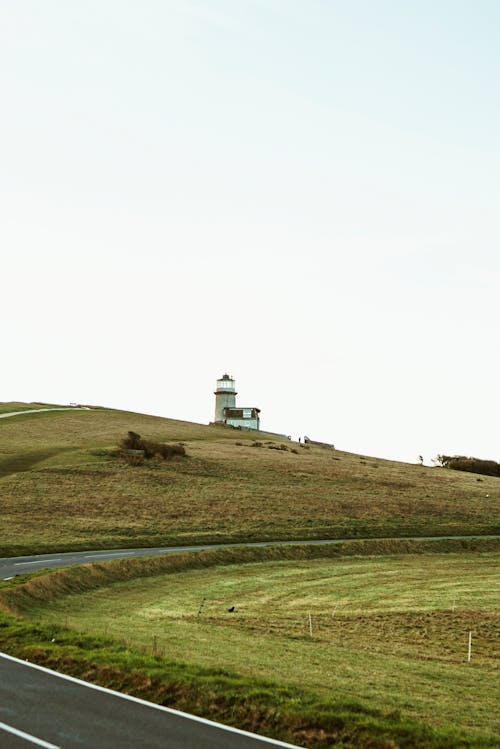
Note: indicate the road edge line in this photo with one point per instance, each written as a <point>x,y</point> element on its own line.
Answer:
<point>27,736</point>
<point>170,710</point>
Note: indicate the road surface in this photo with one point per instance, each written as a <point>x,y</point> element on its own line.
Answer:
<point>11,566</point>
<point>41,708</point>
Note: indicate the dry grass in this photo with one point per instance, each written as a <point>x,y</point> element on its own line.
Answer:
<point>60,489</point>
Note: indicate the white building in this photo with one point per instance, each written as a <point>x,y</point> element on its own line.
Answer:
<point>226,411</point>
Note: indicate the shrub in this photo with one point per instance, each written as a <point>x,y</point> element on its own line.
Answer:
<point>132,442</point>
<point>472,465</point>
<point>134,449</point>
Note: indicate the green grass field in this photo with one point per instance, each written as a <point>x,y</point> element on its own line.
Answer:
<point>61,489</point>
<point>389,633</point>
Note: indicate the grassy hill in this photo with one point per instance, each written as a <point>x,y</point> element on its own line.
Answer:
<point>61,488</point>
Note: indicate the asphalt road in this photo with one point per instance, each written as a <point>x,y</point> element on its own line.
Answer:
<point>11,566</point>
<point>41,708</point>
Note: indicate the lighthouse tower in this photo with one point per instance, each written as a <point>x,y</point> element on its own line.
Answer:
<point>225,396</point>
<point>226,411</point>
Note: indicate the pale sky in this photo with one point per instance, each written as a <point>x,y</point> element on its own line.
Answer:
<point>302,194</point>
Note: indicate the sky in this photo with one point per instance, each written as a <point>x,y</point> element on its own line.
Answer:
<point>302,194</point>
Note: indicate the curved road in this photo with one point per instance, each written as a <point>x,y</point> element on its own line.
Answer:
<point>11,566</point>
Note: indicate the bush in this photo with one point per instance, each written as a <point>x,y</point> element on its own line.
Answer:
<point>132,442</point>
<point>472,465</point>
<point>134,449</point>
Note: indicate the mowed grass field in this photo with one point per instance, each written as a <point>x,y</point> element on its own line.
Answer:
<point>61,489</point>
<point>390,633</point>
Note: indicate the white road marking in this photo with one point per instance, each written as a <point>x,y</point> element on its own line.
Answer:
<point>162,708</point>
<point>9,578</point>
<point>42,561</point>
<point>116,554</point>
<point>27,736</point>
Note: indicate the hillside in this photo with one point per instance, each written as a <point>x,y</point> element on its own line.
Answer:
<point>61,489</point>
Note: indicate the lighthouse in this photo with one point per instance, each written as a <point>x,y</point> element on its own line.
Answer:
<point>226,411</point>
<point>225,396</point>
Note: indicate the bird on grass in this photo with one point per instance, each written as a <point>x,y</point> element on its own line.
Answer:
<point>233,608</point>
